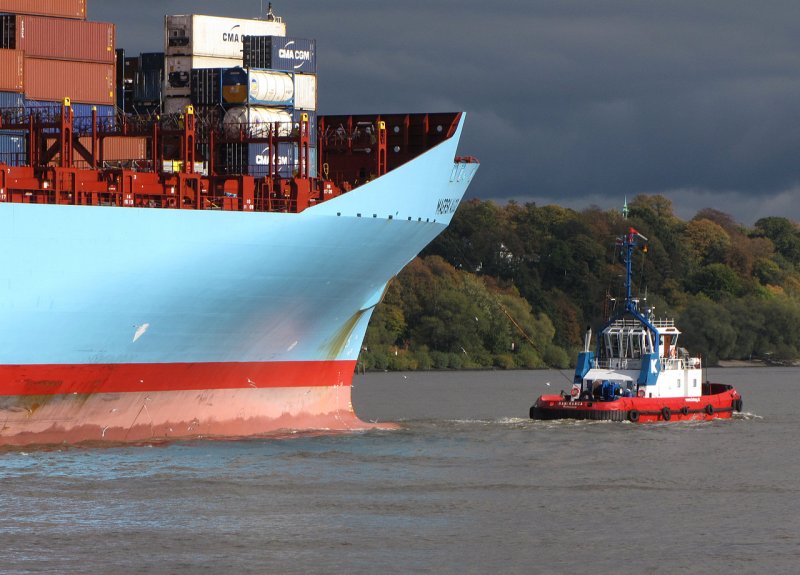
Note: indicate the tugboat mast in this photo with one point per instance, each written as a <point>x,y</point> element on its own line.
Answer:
<point>629,243</point>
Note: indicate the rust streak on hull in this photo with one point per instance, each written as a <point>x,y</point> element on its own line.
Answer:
<point>162,416</point>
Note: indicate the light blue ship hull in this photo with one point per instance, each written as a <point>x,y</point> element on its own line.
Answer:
<point>88,288</point>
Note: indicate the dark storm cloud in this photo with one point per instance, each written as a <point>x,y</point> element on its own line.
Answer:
<point>573,102</point>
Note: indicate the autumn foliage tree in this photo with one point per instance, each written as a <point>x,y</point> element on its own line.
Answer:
<point>517,285</point>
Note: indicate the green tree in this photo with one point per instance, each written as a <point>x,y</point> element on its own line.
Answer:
<point>708,329</point>
<point>784,235</point>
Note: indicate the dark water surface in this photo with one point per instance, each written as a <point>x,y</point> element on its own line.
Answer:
<point>468,485</point>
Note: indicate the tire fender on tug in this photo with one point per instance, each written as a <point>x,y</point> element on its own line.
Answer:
<point>633,415</point>
<point>666,414</point>
<point>710,409</point>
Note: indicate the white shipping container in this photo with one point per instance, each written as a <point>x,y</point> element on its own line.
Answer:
<point>178,71</point>
<point>270,87</point>
<point>305,91</point>
<point>198,35</point>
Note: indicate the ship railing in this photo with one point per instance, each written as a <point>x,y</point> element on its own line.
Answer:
<point>666,363</point>
<point>625,323</point>
<point>671,364</point>
<point>134,165</point>
<point>680,363</point>
<point>623,363</point>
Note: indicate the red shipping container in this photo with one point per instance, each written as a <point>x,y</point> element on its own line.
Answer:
<point>82,82</point>
<point>116,148</point>
<point>58,8</point>
<point>12,70</point>
<point>59,38</point>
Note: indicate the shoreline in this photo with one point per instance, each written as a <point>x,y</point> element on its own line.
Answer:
<point>722,364</point>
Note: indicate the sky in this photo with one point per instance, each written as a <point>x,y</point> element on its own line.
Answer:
<point>572,102</point>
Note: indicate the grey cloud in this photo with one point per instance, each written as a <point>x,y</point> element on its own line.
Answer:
<point>568,101</point>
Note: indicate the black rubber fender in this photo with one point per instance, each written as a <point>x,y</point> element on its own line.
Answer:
<point>710,409</point>
<point>737,405</point>
<point>685,410</point>
<point>666,413</point>
<point>633,415</point>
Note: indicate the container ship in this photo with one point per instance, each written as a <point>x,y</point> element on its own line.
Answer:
<point>190,251</point>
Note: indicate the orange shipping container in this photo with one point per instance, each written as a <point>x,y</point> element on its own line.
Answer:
<point>59,8</point>
<point>12,70</point>
<point>58,38</point>
<point>116,148</point>
<point>82,82</point>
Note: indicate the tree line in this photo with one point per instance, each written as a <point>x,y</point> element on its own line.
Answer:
<point>516,286</point>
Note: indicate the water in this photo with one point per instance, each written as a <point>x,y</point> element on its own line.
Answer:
<point>468,485</point>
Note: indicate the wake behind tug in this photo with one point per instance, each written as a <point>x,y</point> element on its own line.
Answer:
<point>638,373</point>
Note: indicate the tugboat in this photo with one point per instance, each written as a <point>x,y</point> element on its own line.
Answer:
<point>638,373</point>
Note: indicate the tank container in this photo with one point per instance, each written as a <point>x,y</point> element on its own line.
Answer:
<point>257,121</point>
<point>271,87</point>
<point>234,86</point>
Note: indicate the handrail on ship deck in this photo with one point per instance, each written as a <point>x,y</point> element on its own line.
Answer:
<point>635,364</point>
<point>64,161</point>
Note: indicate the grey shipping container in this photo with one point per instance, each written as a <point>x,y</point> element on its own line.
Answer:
<point>280,53</point>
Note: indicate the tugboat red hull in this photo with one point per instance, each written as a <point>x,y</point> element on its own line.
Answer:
<point>719,401</point>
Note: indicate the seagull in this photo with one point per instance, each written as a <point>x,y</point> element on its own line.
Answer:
<point>547,384</point>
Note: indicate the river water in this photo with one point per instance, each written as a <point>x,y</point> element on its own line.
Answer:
<point>467,485</point>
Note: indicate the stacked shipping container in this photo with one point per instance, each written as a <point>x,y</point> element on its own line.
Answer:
<point>49,52</point>
<point>281,80</point>
<point>58,8</point>
<point>63,58</point>
<point>194,42</point>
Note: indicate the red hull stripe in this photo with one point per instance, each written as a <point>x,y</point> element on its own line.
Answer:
<point>122,378</point>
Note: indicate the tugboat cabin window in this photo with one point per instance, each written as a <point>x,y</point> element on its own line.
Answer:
<point>627,340</point>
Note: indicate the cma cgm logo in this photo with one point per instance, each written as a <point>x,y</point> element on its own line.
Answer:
<point>262,159</point>
<point>232,35</point>
<point>288,52</point>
